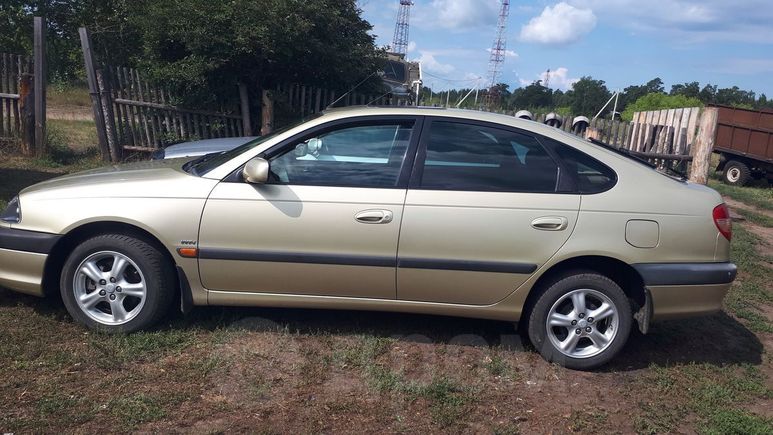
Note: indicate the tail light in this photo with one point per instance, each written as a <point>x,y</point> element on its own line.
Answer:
<point>722,220</point>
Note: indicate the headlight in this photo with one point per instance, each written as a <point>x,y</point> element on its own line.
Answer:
<point>12,213</point>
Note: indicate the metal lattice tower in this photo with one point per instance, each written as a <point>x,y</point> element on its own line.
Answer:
<point>400,40</point>
<point>499,48</point>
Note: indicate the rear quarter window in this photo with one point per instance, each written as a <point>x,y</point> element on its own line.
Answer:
<point>590,175</point>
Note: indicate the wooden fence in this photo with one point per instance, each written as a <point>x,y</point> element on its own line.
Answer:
<point>23,95</point>
<point>306,100</point>
<point>12,69</point>
<point>145,118</point>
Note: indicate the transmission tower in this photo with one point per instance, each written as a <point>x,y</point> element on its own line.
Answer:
<point>546,83</point>
<point>400,40</point>
<point>498,51</point>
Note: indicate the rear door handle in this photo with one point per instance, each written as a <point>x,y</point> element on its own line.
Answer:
<point>374,217</point>
<point>550,223</point>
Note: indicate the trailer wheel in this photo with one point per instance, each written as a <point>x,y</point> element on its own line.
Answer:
<point>736,173</point>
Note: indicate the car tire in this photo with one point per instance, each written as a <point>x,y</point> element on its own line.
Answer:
<point>599,339</point>
<point>736,173</point>
<point>117,283</point>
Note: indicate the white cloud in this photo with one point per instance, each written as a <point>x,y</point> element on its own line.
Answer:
<point>689,21</point>
<point>411,47</point>
<point>559,25</point>
<point>459,15</point>
<point>559,79</point>
<point>432,65</point>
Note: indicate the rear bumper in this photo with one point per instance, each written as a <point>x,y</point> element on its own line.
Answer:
<point>686,289</point>
<point>23,257</point>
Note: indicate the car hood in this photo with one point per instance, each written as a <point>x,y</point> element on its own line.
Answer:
<point>161,178</point>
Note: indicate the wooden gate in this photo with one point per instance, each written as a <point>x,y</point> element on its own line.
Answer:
<point>23,95</point>
<point>132,114</point>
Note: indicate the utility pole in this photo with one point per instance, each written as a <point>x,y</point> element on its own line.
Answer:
<point>400,39</point>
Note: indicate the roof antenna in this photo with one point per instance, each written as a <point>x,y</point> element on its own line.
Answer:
<point>352,89</point>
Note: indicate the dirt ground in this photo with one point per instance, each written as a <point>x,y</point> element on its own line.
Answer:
<point>223,370</point>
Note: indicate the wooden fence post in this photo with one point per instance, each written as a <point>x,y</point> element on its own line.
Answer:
<point>244,97</point>
<point>96,103</point>
<point>39,53</point>
<point>267,112</point>
<point>107,113</point>
<point>704,144</point>
<point>27,113</point>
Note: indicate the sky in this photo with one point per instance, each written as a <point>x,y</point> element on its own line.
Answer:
<point>623,42</point>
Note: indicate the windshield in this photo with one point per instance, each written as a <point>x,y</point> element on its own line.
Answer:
<point>206,163</point>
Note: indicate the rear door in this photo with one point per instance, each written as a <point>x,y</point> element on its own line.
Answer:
<point>481,213</point>
<point>326,223</point>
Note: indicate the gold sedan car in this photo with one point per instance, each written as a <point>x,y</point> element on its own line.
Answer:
<point>399,209</point>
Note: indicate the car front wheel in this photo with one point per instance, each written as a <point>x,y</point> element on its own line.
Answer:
<point>581,321</point>
<point>117,283</point>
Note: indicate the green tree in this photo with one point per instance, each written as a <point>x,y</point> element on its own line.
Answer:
<point>533,96</point>
<point>588,96</point>
<point>659,101</point>
<point>203,48</point>
<point>691,89</point>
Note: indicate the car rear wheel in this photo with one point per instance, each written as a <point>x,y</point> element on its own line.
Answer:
<point>736,173</point>
<point>581,321</point>
<point>117,283</point>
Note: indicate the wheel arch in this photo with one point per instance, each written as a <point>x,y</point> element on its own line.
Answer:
<point>622,273</point>
<point>80,233</point>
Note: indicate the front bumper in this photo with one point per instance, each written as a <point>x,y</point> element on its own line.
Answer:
<point>23,257</point>
<point>686,289</point>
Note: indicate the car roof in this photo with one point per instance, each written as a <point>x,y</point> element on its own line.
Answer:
<point>474,115</point>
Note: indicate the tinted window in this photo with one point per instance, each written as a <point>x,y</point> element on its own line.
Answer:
<point>361,156</point>
<point>591,175</point>
<point>472,157</point>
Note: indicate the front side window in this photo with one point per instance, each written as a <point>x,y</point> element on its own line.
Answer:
<point>357,156</point>
<point>472,157</point>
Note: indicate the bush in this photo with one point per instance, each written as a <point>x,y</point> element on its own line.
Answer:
<point>659,101</point>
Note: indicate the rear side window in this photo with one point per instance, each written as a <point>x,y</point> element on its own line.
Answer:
<point>591,176</point>
<point>477,158</point>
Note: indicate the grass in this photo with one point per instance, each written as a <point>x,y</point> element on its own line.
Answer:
<point>717,396</point>
<point>77,135</point>
<point>760,197</point>
<point>752,289</point>
<point>111,350</point>
<point>68,95</point>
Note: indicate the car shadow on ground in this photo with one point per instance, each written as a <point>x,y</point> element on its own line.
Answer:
<point>718,339</point>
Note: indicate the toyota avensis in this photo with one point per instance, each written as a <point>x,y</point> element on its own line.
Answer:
<point>400,209</point>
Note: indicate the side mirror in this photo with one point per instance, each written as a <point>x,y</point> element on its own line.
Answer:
<point>256,171</point>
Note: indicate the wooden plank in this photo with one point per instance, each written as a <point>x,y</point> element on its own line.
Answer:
<point>17,85</point>
<point>174,108</point>
<point>704,144</point>
<point>244,100</point>
<point>8,70</point>
<point>303,101</point>
<point>127,93</point>
<point>143,113</point>
<point>692,127</point>
<point>39,52</point>
<point>108,116</point>
<point>96,104</point>
<point>318,100</point>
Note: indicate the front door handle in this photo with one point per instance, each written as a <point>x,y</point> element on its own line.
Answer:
<point>374,217</point>
<point>550,223</point>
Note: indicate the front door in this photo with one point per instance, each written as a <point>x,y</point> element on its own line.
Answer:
<point>326,223</point>
<point>481,216</point>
